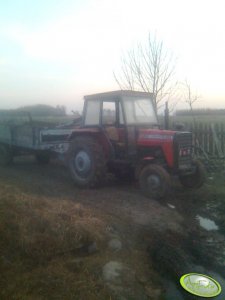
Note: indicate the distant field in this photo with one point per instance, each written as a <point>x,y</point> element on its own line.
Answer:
<point>200,119</point>
<point>203,119</point>
<point>54,120</point>
<point>21,117</point>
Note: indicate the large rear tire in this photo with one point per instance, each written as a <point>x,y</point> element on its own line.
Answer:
<point>86,161</point>
<point>154,181</point>
<point>197,179</point>
<point>6,155</point>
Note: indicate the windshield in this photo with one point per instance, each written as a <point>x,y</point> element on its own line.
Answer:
<point>139,111</point>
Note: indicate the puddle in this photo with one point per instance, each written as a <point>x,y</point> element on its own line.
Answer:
<point>207,223</point>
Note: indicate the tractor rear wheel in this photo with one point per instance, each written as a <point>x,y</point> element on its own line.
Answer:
<point>196,179</point>
<point>154,181</point>
<point>86,161</point>
<point>6,156</point>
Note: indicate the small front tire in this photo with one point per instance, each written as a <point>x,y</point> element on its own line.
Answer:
<point>154,181</point>
<point>195,180</point>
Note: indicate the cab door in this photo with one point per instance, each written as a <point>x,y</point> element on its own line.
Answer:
<point>113,128</point>
<point>130,132</point>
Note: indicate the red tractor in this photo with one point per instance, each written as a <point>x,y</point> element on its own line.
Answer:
<point>120,133</point>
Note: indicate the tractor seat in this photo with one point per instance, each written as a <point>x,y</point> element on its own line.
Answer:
<point>112,133</point>
<point>115,139</point>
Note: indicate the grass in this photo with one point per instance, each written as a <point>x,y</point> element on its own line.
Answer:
<point>40,239</point>
<point>215,198</point>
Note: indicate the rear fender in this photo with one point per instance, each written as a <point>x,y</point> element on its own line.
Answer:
<point>100,137</point>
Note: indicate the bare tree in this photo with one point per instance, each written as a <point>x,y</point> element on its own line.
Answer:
<point>190,97</point>
<point>148,68</point>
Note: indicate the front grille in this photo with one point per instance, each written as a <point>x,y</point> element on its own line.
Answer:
<point>183,150</point>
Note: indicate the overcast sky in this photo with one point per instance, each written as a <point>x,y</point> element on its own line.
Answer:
<point>54,51</point>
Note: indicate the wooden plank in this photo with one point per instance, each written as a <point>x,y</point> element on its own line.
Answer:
<point>210,141</point>
<point>222,138</point>
<point>217,147</point>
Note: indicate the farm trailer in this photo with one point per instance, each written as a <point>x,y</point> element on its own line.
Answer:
<point>21,135</point>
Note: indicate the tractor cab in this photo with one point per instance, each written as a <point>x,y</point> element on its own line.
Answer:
<point>120,114</point>
<point>120,108</point>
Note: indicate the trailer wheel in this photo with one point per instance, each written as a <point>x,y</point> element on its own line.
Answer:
<point>42,158</point>
<point>154,181</point>
<point>86,161</point>
<point>197,179</point>
<point>6,156</point>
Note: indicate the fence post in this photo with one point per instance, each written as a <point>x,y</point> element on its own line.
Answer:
<point>166,116</point>
<point>222,136</point>
<point>216,142</point>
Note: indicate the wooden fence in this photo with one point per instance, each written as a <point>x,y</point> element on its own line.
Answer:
<point>210,137</point>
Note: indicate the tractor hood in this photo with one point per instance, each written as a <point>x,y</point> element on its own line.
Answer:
<point>165,140</point>
<point>155,136</point>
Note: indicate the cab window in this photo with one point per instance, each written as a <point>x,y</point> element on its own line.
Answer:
<point>92,112</point>
<point>121,119</point>
<point>109,113</point>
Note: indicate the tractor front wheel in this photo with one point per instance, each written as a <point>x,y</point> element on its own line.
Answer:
<point>86,161</point>
<point>196,179</point>
<point>154,181</point>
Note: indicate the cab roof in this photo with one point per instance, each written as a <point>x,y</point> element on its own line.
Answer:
<point>116,95</point>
